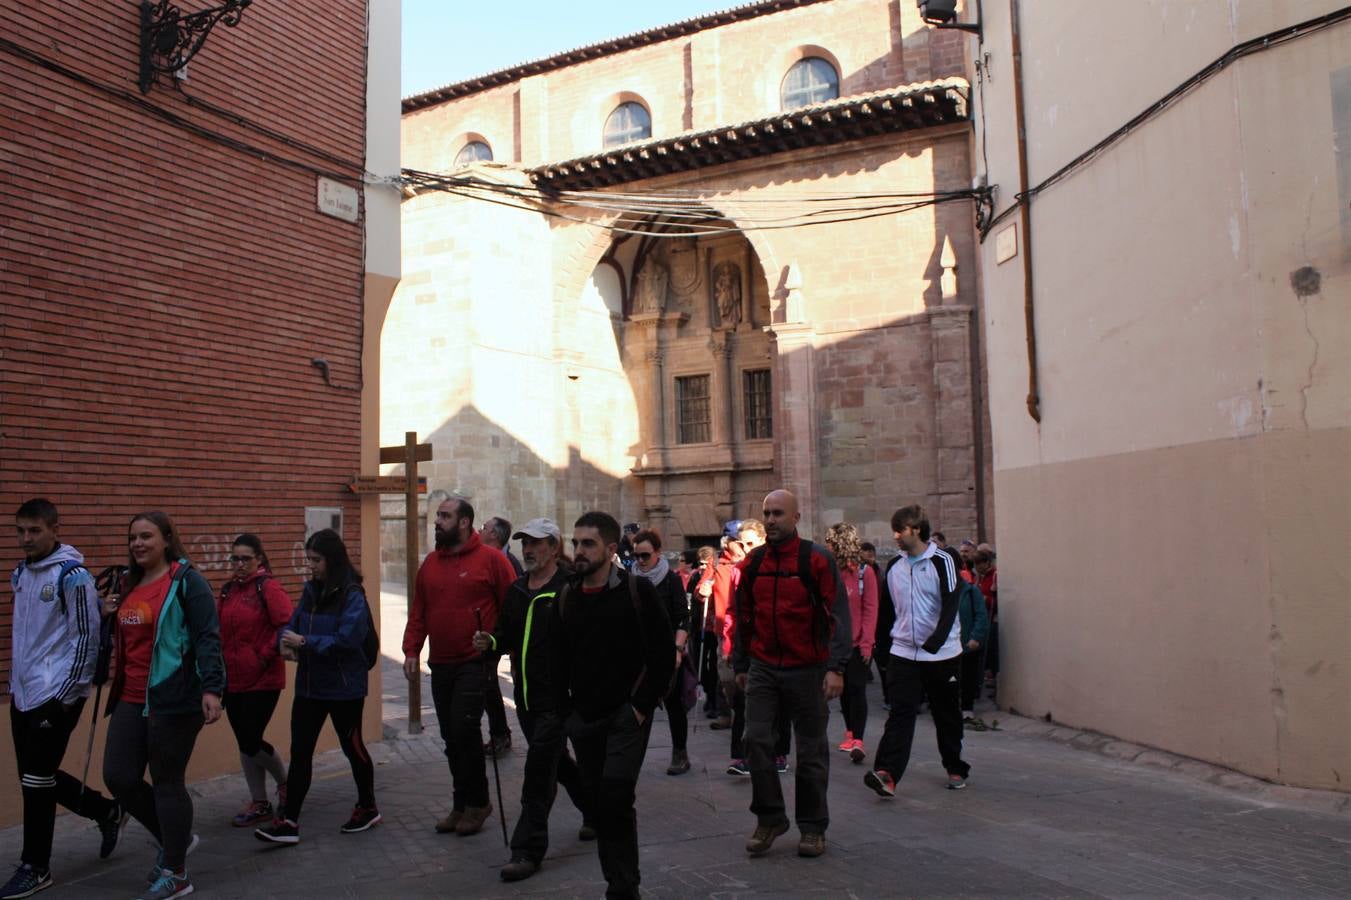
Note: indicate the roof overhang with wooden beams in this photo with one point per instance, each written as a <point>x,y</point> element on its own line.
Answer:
<point>907,108</point>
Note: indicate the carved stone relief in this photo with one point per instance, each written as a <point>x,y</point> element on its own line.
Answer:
<point>727,294</point>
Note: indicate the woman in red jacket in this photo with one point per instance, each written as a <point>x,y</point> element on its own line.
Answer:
<point>253,608</point>
<point>861,585</point>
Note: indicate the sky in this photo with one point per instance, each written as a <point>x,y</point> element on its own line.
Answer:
<point>445,41</point>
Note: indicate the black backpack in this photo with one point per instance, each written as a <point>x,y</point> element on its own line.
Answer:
<point>822,618</point>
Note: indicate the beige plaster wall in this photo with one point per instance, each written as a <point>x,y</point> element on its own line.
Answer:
<point>1191,465</point>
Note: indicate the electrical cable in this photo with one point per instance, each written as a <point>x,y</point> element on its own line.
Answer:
<point>1238,51</point>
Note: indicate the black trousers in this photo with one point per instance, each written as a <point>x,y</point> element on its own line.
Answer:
<point>911,682</point>
<point>307,719</point>
<point>40,738</point>
<point>493,705</point>
<point>677,716</point>
<point>610,755</point>
<point>854,700</point>
<point>457,694</point>
<point>973,676</point>
<point>713,698</point>
<point>547,765</point>
<point>783,725</point>
<point>164,744</point>
<point>249,713</point>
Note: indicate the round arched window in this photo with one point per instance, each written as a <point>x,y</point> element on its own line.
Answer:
<point>472,152</point>
<point>810,80</point>
<point>628,123</point>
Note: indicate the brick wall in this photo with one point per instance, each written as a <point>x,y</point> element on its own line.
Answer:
<point>164,294</point>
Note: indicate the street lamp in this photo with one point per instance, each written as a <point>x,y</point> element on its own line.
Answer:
<point>169,37</point>
<point>943,14</point>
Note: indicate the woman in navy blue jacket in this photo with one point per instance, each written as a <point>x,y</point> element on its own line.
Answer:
<point>326,636</point>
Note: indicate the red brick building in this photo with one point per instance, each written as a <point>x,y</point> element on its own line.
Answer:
<point>812,334</point>
<point>169,278</point>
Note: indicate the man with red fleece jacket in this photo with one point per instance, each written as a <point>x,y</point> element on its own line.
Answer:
<point>459,589</point>
<point>792,642</point>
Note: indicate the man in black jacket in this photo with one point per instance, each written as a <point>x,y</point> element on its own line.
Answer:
<point>613,656</point>
<point>524,629</point>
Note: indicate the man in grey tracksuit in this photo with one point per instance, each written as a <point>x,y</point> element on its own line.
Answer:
<point>921,586</point>
<point>55,646</point>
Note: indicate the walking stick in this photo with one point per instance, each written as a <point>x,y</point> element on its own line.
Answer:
<point>108,581</point>
<point>89,750</point>
<point>497,776</point>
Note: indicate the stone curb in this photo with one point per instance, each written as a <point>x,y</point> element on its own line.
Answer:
<point>1254,788</point>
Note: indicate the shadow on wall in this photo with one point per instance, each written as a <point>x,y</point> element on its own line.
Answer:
<point>500,475</point>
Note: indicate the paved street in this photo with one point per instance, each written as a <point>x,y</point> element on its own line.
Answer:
<point>1048,812</point>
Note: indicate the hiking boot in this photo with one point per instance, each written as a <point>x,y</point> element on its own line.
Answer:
<point>519,869</point>
<point>739,767</point>
<point>281,831</point>
<point>159,859</point>
<point>721,723</point>
<point>257,811</point>
<point>362,818</point>
<point>680,763</point>
<point>975,724</point>
<point>956,782</point>
<point>586,833</point>
<point>25,882</point>
<point>880,780</point>
<point>497,746</point>
<point>813,843</point>
<point>110,830</point>
<point>848,743</point>
<point>472,819</point>
<point>856,752</point>
<point>447,825</point>
<point>763,838</point>
<point>781,765</point>
<point>168,884</point>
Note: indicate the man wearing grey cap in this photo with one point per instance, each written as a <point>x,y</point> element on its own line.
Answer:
<point>524,631</point>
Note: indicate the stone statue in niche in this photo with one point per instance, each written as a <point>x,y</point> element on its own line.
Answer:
<point>653,284</point>
<point>727,294</point>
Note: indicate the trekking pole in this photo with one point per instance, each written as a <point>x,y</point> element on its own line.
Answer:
<point>497,776</point>
<point>89,750</point>
<point>108,581</point>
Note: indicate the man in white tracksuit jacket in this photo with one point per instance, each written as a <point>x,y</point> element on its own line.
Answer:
<point>921,584</point>
<point>55,646</point>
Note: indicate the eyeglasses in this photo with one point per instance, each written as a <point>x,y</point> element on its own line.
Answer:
<point>242,559</point>
<point>643,556</point>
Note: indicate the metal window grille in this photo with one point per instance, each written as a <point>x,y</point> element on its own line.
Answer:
<point>692,418</point>
<point>758,405</point>
<point>810,80</point>
<point>474,151</point>
<point>629,122</point>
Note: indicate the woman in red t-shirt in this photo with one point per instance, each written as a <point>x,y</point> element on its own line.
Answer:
<point>253,608</point>
<point>169,681</point>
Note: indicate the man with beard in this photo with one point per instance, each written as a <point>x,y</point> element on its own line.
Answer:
<point>524,630</point>
<point>613,656</point>
<point>462,582</point>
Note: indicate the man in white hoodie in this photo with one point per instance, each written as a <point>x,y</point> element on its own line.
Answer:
<point>55,646</point>
<point>921,584</point>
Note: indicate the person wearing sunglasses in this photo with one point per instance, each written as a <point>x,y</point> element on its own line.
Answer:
<point>671,592</point>
<point>252,608</point>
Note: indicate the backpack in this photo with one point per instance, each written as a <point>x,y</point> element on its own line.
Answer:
<point>821,616</point>
<point>66,568</point>
<point>642,639</point>
<point>258,583</point>
<point>370,647</point>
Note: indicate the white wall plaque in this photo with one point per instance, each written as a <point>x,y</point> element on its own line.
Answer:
<point>338,200</point>
<point>1006,244</point>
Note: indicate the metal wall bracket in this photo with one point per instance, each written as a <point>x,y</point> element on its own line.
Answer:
<point>169,38</point>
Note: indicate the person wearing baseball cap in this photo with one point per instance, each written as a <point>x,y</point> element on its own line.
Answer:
<point>524,630</point>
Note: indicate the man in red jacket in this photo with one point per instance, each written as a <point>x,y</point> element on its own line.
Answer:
<point>459,587</point>
<point>792,642</point>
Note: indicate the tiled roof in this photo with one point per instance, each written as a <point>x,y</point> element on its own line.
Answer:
<point>594,51</point>
<point>905,108</point>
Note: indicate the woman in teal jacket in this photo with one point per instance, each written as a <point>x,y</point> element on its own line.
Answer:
<point>170,678</point>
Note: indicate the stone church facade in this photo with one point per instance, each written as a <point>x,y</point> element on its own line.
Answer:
<point>665,274</point>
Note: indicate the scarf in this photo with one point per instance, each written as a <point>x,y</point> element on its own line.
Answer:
<point>657,574</point>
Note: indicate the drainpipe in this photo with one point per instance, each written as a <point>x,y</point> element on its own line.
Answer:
<point>1025,202</point>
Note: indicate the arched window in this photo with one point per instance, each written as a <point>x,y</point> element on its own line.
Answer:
<point>472,152</point>
<point>628,123</point>
<point>810,80</point>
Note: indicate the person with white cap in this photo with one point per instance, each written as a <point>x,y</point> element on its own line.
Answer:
<point>524,630</point>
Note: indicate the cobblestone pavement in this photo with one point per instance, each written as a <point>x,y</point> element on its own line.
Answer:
<point>1044,815</point>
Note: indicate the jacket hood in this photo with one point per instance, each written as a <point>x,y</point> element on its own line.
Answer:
<point>261,572</point>
<point>62,553</point>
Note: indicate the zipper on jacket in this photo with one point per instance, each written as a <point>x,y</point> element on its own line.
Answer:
<point>774,607</point>
<point>525,646</point>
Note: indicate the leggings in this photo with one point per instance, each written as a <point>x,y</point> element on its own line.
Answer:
<point>307,717</point>
<point>164,743</point>
<point>249,712</point>
<point>854,700</point>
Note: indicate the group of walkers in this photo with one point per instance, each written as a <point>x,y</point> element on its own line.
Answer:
<point>774,626</point>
